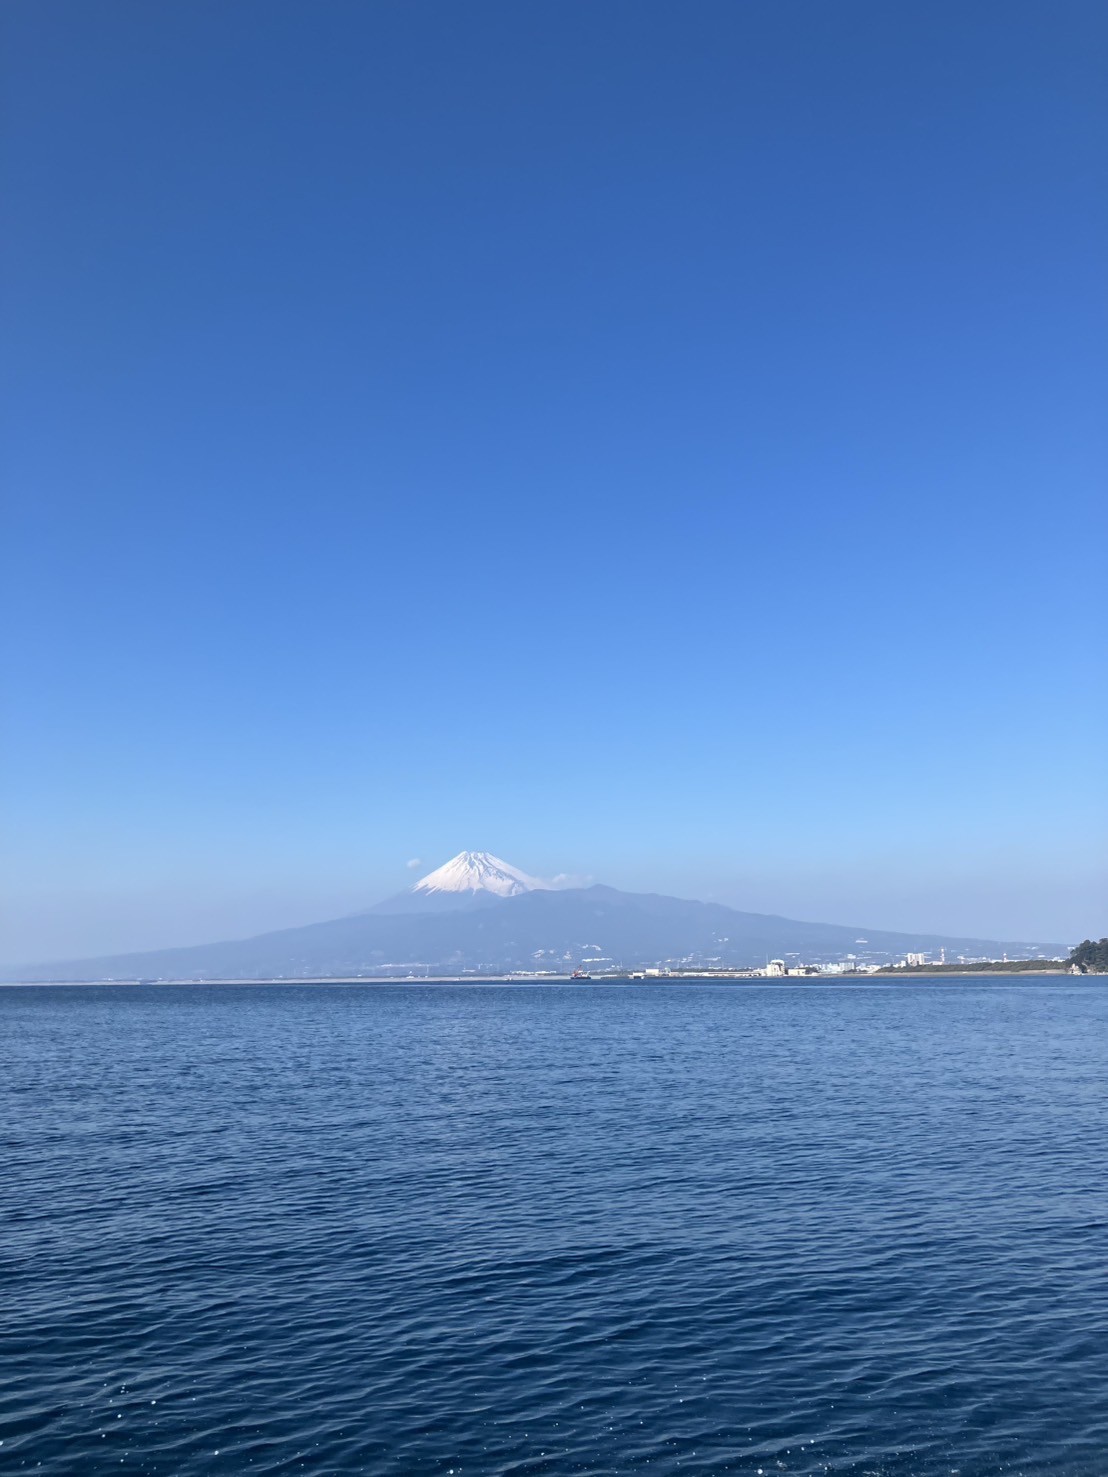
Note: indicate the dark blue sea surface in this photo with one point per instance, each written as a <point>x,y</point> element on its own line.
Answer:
<point>552,1229</point>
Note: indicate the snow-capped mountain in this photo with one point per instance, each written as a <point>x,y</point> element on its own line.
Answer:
<point>471,880</point>
<point>478,871</point>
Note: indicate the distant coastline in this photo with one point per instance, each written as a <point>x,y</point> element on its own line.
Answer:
<point>985,966</point>
<point>1089,958</point>
<point>1051,968</point>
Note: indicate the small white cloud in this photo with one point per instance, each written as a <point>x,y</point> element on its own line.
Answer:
<point>416,861</point>
<point>571,879</point>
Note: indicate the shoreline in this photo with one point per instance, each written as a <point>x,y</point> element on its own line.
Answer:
<point>778,982</point>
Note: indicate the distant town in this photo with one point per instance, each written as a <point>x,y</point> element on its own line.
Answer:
<point>793,967</point>
<point>591,966</point>
<point>1087,958</point>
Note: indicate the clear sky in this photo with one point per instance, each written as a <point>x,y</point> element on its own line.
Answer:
<point>662,443</point>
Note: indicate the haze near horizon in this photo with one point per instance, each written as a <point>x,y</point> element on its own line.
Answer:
<point>663,445</point>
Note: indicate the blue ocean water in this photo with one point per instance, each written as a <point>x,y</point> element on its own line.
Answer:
<point>552,1229</point>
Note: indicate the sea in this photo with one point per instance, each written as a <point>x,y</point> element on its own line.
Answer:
<point>452,1229</point>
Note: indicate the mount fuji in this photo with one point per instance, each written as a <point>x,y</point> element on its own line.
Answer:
<point>479,871</point>
<point>477,914</point>
<point>471,879</point>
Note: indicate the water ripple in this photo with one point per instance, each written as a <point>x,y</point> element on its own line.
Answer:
<point>554,1231</point>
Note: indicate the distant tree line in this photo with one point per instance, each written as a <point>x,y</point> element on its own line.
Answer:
<point>1091,957</point>
<point>981,966</point>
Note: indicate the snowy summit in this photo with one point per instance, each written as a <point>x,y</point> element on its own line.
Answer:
<point>478,871</point>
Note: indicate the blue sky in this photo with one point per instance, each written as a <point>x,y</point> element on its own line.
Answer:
<point>661,443</point>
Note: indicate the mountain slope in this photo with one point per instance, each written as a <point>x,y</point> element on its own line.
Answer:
<point>533,930</point>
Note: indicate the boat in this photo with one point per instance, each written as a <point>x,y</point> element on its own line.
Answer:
<point>579,974</point>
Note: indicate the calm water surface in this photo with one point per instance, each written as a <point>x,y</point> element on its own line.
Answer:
<point>553,1230</point>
